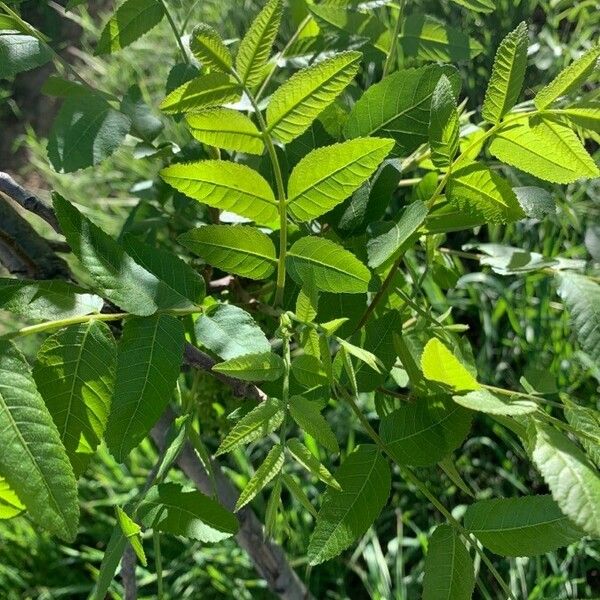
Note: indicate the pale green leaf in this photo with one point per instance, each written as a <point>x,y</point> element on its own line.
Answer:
<point>300,100</point>
<point>422,433</point>
<point>191,514</point>
<point>242,250</point>
<point>571,477</point>
<point>74,372</point>
<point>386,244</point>
<point>449,570</point>
<point>330,267</point>
<point>482,6</point>
<point>427,38</point>
<point>265,366</point>
<point>328,175</point>
<point>208,47</point>
<point>398,107</point>
<point>226,128</point>
<point>10,505</point>
<point>508,74</point>
<point>168,268</point>
<point>479,191</point>
<point>20,53</point>
<point>227,186</point>
<point>439,364</point>
<point>204,91</point>
<point>230,331</point>
<point>367,357</point>
<point>149,357</point>
<point>310,462</point>
<point>587,422</point>
<point>259,422</point>
<point>255,47</point>
<point>568,79</point>
<point>494,404</point>
<point>346,515</point>
<point>131,21</point>
<point>132,531</point>
<point>33,461</point>
<point>443,124</point>
<point>582,114</point>
<point>267,470</point>
<point>536,202</point>
<point>308,416</point>
<point>46,300</point>
<point>307,303</point>
<point>86,130</point>
<point>524,526</point>
<point>582,299</point>
<point>545,148</point>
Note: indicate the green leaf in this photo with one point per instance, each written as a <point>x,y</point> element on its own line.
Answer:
<point>204,91</point>
<point>148,362</point>
<point>10,505</point>
<point>330,267</point>
<point>443,124</point>
<point>582,299</point>
<point>387,245</point>
<point>20,53</point>
<point>477,190</point>
<point>328,175</point>
<point>110,562</point>
<point>255,47</point>
<point>424,432</point>
<point>545,148</point>
<point>120,278</point>
<point>439,364</point>
<point>398,107</point>
<point>345,515</point>
<point>449,569</point>
<point>308,416</point>
<point>524,526</point>
<point>74,372</point>
<point>167,507</point>
<point>267,470</point>
<point>229,331</point>
<point>242,250</point>
<point>536,202</point>
<point>310,462</point>
<point>144,123</point>
<point>208,47</point>
<point>131,530</point>
<point>297,492</point>
<point>508,74</point>
<point>226,128</point>
<point>493,404</point>
<point>131,21</point>
<point>86,130</point>
<point>582,114</point>
<point>226,186</point>
<point>168,268</point>
<point>367,357</point>
<point>427,38</point>
<point>569,79</point>
<point>572,479</point>
<point>259,422</point>
<point>586,421</point>
<point>46,300</point>
<point>175,441</point>
<point>298,102</point>
<point>265,366</point>
<point>33,460</point>
<point>308,371</point>
<point>482,6</point>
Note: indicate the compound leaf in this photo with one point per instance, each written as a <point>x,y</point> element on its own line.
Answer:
<point>267,470</point>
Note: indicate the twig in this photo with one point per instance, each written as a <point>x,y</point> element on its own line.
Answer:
<point>128,573</point>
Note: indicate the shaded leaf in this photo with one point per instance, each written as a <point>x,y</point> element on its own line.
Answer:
<point>265,366</point>
<point>308,416</point>
<point>310,462</point>
<point>493,404</point>
<point>20,52</point>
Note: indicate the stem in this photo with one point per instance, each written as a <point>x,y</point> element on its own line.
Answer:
<point>285,389</point>
<point>408,474</point>
<point>105,317</point>
<point>158,564</point>
<point>392,53</point>
<point>184,54</point>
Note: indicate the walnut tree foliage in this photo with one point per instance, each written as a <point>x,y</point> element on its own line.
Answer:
<point>290,181</point>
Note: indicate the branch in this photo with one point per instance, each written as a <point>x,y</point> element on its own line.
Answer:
<point>268,557</point>
<point>128,573</point>
<point>10,188</point>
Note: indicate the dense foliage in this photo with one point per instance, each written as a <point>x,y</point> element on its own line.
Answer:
<point>285,311</point>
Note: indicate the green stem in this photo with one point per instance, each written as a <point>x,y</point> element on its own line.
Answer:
<point>171,21</point>
<point>389,61</point>
<point>50,325</point>
<point>408,475</point>
<point>158,564</point>
<point>285,389</point>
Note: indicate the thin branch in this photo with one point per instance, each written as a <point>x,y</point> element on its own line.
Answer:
<point>128,573</point>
